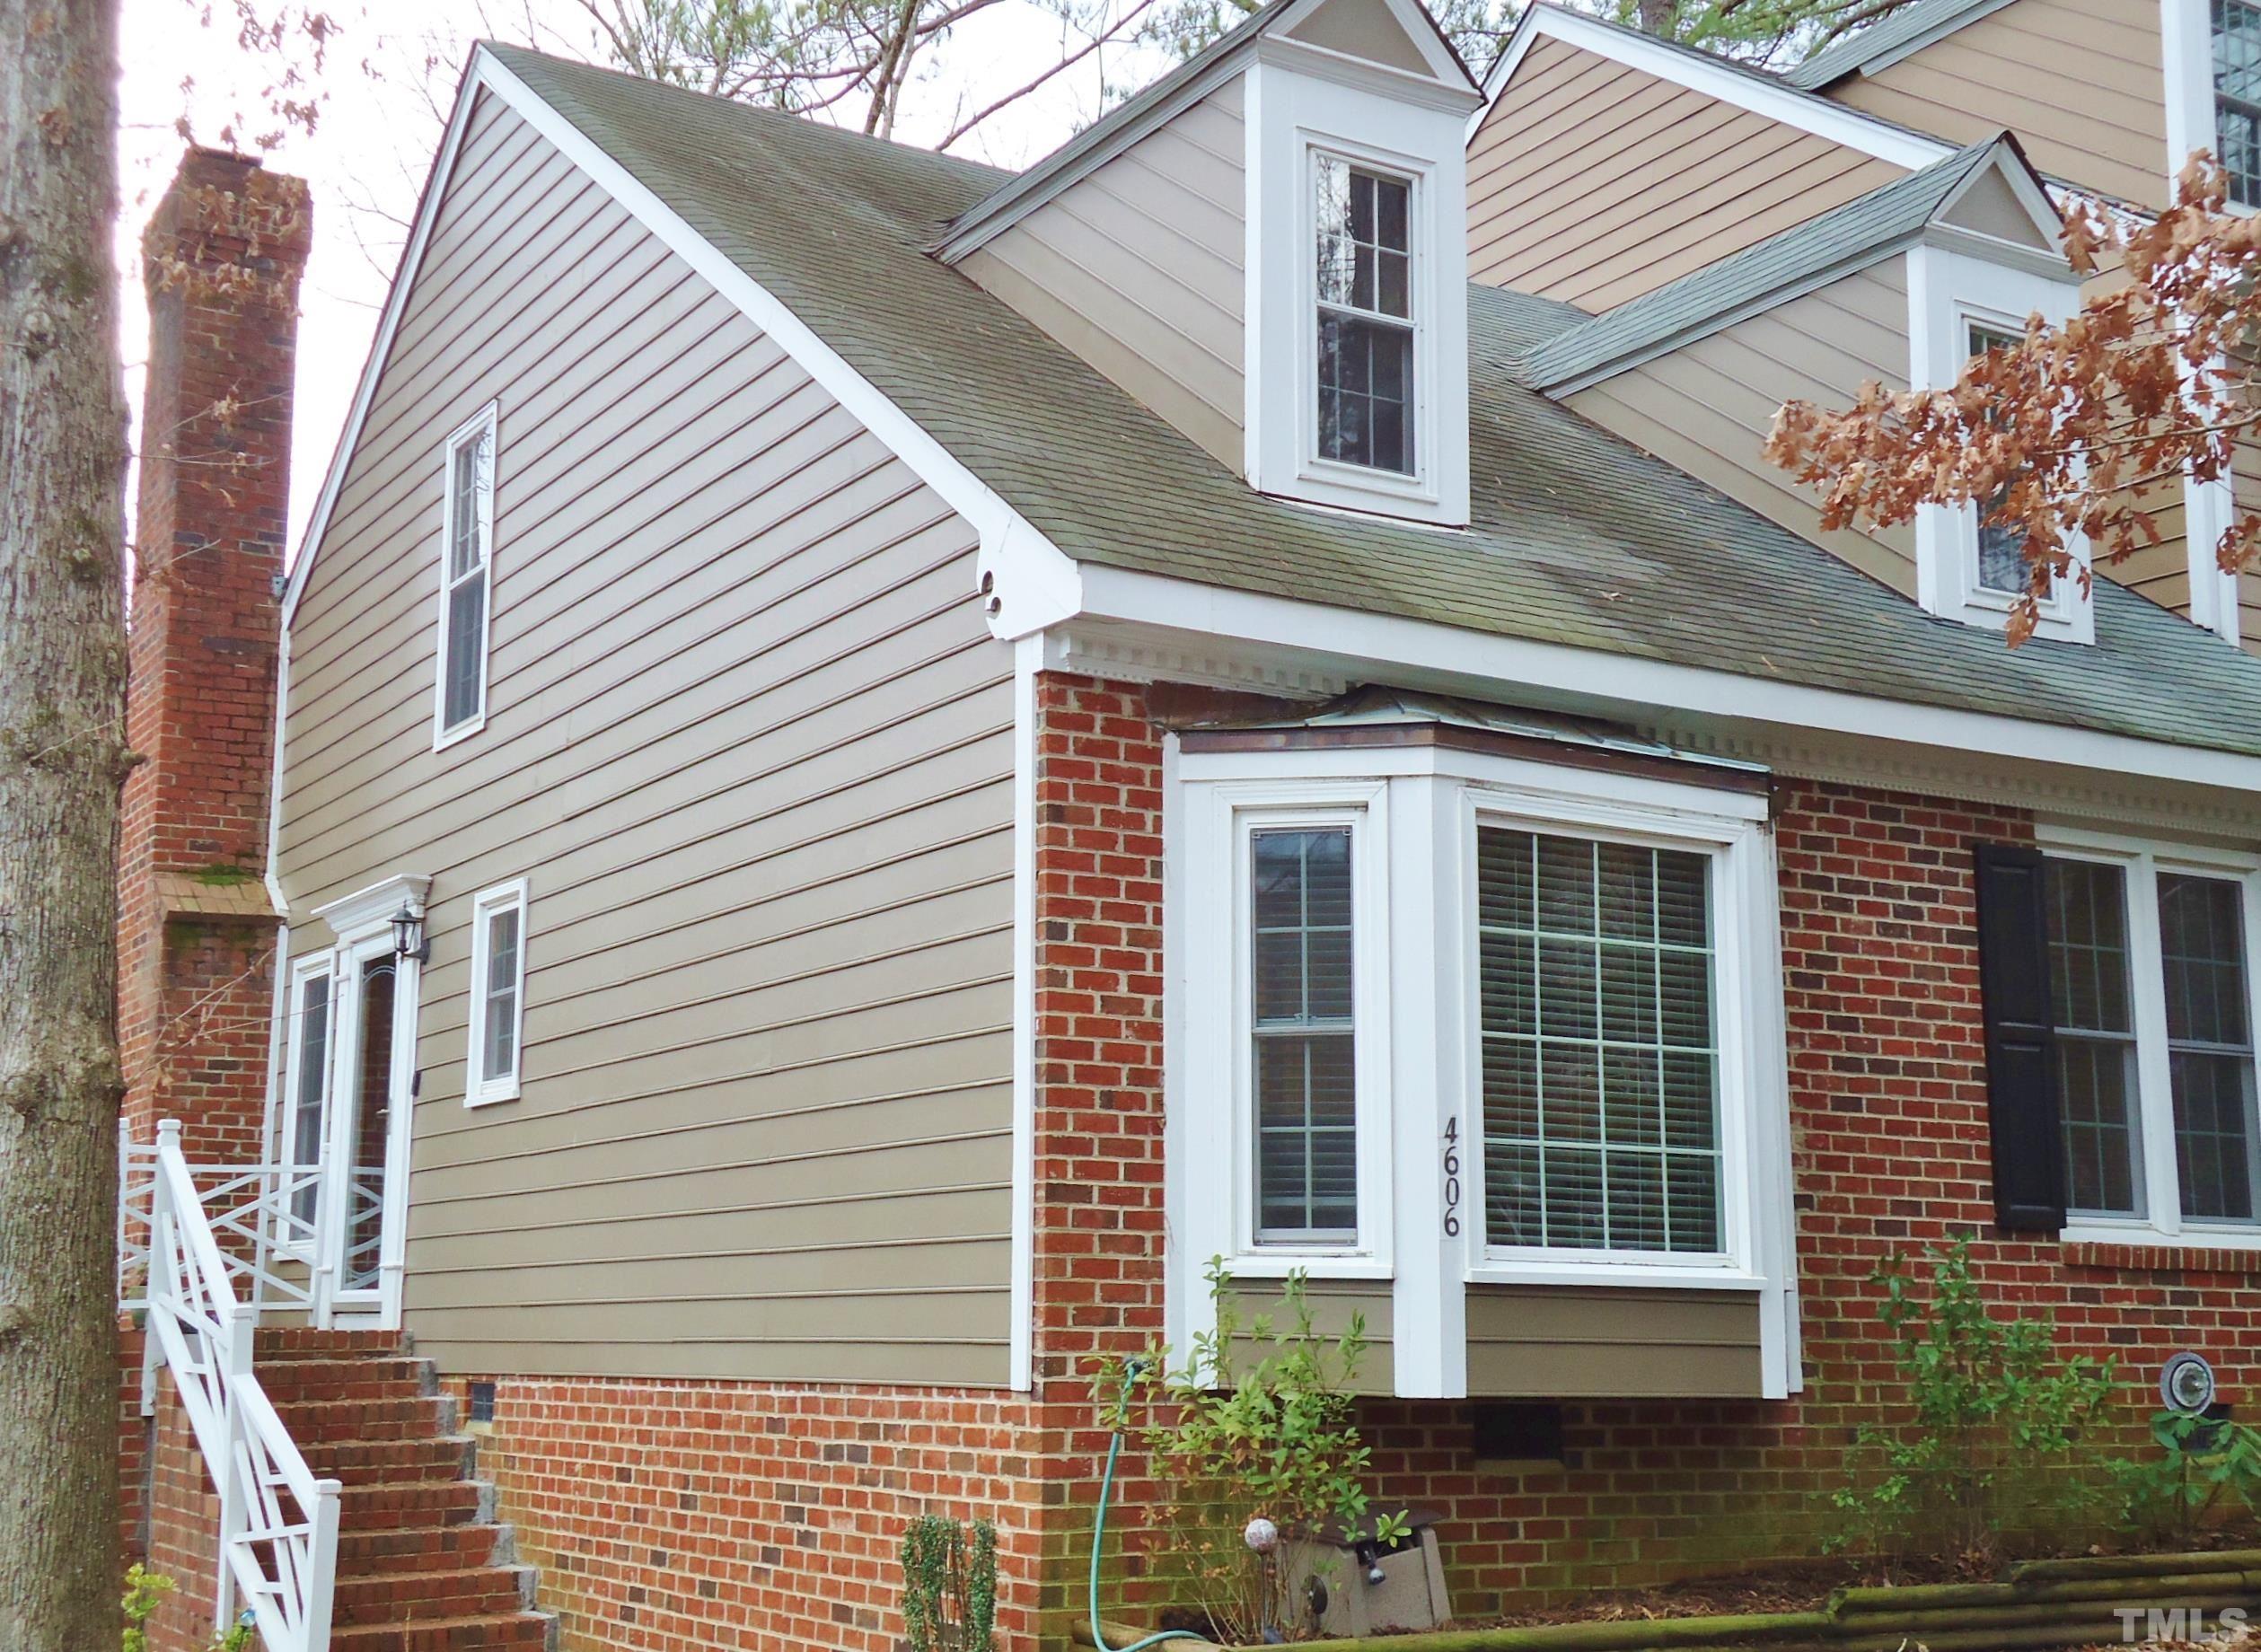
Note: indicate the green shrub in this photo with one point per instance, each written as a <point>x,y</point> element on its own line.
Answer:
<point>1986,1442</point>
<point>2205,1468</point>
<point>1273,1439</point>
<point>145,1591</point>
<point>949,1584</point>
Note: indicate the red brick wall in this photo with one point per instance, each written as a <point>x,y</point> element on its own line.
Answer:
<point>170,1517</point>
<point>221,256</point>
<point>670,1515</point>
<point>1887,1096</point>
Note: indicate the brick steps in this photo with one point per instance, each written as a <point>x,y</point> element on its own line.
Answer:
<point>517,1629</point>
<point>478,1592</point>
<point>364,1462</point>
<point>422,1564</point>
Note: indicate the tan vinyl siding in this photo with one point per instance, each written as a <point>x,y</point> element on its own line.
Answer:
<point>1137,269</point>
<point>1566,1342</point>
<point>1591,181</point>
<point>1707,407</point>
<point>1334,1303</point>
<point>2160,572</point>
<point>2079,81</point>
<point>2246,490</point>
<point>751,745</point>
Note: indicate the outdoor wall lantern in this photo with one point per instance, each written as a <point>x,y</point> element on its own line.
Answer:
<point>407,934</point>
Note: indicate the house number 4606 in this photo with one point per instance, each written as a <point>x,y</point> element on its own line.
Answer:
<point>1452,1177</point>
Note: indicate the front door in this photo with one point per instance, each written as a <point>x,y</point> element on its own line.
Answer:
<point>364,1156</point>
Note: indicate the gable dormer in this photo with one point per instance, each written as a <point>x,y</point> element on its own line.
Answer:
<point>1267,249</point>
<point>1900,287</point>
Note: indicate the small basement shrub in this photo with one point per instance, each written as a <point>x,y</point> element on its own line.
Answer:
<point>1984,1446</point>
<point>145,1591</point>
<point>949,1584</point>
<point>1273,1439</point>
<point>2206,1468</point>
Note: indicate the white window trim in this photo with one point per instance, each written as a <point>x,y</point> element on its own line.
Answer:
<point>1427,801</point>
<point>1220,1020</point>
<point>1739,910</point>
<point>290,1239</point>
<point>482,423</point>
<point>1950,292</point>
<point>2142,860</point>
<point>1293,116</point>
<point>479,1090</point>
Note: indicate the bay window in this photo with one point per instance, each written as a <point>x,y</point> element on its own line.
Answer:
<point>2152,990</point>
<point>1451,1021</point>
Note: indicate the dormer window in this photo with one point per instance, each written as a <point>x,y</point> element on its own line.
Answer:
<point>1366,370</point>
<point>2001,547</point>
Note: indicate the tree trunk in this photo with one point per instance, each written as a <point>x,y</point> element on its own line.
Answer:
<point>62,754</point>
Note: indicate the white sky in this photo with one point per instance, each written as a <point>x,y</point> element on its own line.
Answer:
<point>387,83</point>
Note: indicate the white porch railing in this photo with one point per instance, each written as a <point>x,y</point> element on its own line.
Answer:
<point>179,1260</point>
<point>259,1214</point>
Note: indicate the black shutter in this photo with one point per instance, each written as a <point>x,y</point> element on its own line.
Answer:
<point>2021,1040</point>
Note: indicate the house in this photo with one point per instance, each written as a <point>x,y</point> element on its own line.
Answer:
<point>877,759</point>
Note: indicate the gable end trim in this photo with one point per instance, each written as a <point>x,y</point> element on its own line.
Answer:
<point>1780,102</point>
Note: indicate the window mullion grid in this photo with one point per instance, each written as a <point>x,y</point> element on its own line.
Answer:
<point>2154,1065</point>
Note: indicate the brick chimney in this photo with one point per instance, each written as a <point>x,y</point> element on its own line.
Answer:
<point>222,259</point>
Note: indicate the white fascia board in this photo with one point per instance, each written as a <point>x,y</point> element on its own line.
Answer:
<point>1804,112</point>
<point>1344,641</point>
<point>997,522</point>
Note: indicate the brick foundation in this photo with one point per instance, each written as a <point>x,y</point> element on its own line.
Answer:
<point>671,1515</point>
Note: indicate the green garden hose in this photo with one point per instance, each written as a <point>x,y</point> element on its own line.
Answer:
<point>1099,1529</point>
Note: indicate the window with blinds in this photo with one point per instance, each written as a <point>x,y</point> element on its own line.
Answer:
<point>1600,1057</point>
<point>1302,1027</point>
<point>2092,994</point>
<point>466,571</point>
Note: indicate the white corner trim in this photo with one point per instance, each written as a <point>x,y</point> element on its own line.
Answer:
<point>2209,508</point>
<point>1802,110</point>
<point>1028,657</point>
<point>1316,643</point>
<point>995,521</point>
<point>2186,32</point>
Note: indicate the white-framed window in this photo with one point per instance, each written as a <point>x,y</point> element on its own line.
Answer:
<point>2153,990</point>
<point>2236,34</point>
<point>306,1085</point>
<point>1960,304</point>
<point>1560,1032</point>
<point>498,994</point>
<point>1595,980</point>
<point>1365,406</point>
<point>467,547</point>
<point>1303,1013</point>
<point>1356,277</point>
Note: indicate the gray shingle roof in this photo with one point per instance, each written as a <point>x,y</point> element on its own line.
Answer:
<point>1841,239</point>
<point>1578,539</point>
<point>1893,32</point>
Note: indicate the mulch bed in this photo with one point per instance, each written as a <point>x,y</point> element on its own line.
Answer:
<point>1802,1586</point>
